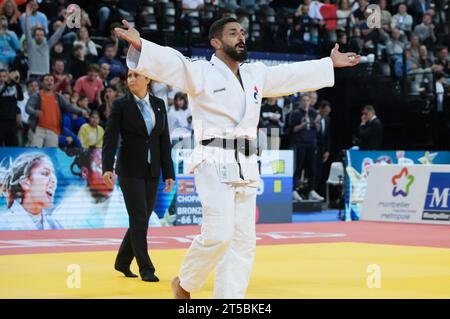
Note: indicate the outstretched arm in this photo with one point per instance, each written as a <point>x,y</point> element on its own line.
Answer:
<point>159,63</point>
<point>286,79</point>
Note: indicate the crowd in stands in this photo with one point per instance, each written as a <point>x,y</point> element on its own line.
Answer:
<point>57,84</point>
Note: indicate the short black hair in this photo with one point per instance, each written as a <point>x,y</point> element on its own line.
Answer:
<point>36,29</point>
<point>31,81</point>
<point>369,108</point>
<point>47,75</point>
<point>439,75</point>
<point>216,29</point>
<point>93,67</point>
<point>324,103</point>
<point>3,70</point>
<point>59,60</point>
<point>109,45</point>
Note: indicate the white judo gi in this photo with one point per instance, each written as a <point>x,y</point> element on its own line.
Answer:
<point>222,108</point>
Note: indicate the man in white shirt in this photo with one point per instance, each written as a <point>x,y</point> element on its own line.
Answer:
<point>225,98</point>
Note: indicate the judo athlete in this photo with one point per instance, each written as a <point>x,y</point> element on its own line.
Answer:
<point>225,96</point>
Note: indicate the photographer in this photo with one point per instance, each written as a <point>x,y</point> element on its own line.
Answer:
<point>10,119</point>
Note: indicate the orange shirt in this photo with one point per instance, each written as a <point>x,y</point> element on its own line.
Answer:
<point>51,114</point>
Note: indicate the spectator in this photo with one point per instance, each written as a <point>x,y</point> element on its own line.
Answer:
<point>10,119</point>
<point>20,62</point>
<point>420,7</point>
<point>356,42</point>
<point>105,109</point>
<point>116,67</point>
<point>359,13</point>
<point>9,43</point>
<point>410,64</point>
<point>425,31</point>
<point>305,31</point>
<point>78,63</point>
<point>91,134</point>
<point>272,121</point>
<point>442,60</point>
<point>58,52</point>
<point>89,45</point>
<point>107,12</point>
<point>343,42</point>
<point>38,46</point>
<point>91,85</point>
<point>386,17</point>
<point>370,132</point>
<point>402,20</point>
<point>438,116</point>
<point>9,9</point>
<point>395,46</point>
<point>178,117</point>
<point>36,18</point>
<point>77,121</point>
<point>425,61</point>
<point>68,36</point>
<point>118,43</point>
<point>32,87</point>
<point>104,72</point>
<point>344,14</point>
<point>62,79</point>
<point>413,45</point>
<point>304,123</point>
<point>323,145</point>
<point>313,97</point>
<point>68,138</point>
<point>46,114</point>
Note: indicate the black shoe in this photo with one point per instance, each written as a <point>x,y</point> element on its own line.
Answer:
<point>126,271</point>
<point>150,278</point>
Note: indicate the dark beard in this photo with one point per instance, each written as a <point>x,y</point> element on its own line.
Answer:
<point>232,53</point>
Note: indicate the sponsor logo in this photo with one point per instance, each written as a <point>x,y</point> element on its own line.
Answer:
<point>402,183</point>
<point>437,198</point>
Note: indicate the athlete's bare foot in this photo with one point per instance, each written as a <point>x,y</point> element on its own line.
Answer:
<point>178,291</point>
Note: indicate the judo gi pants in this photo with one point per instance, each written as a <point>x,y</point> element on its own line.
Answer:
<point>227,240</point>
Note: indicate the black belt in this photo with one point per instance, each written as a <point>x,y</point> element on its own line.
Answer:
<point>243,146</point>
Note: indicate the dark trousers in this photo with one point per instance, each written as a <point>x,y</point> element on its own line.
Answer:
<point>322,171</point>
<point>305,159</point>
<point>8,133</point>
<point>139,195</point>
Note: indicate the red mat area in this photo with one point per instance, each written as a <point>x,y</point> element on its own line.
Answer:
<point>53,241</point>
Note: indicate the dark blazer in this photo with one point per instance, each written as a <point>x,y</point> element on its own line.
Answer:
<point>126,120</point>
<point>371,135</point>
<point>323,139</point>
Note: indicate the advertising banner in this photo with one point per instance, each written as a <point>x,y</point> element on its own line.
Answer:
<point>359,162</point>
<point>273,203</point>
<point>411,193</point>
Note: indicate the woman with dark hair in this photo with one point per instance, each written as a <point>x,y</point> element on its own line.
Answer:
<point>28,184</point>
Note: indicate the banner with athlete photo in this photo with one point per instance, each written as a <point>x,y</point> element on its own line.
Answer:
<point>52,188</point>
